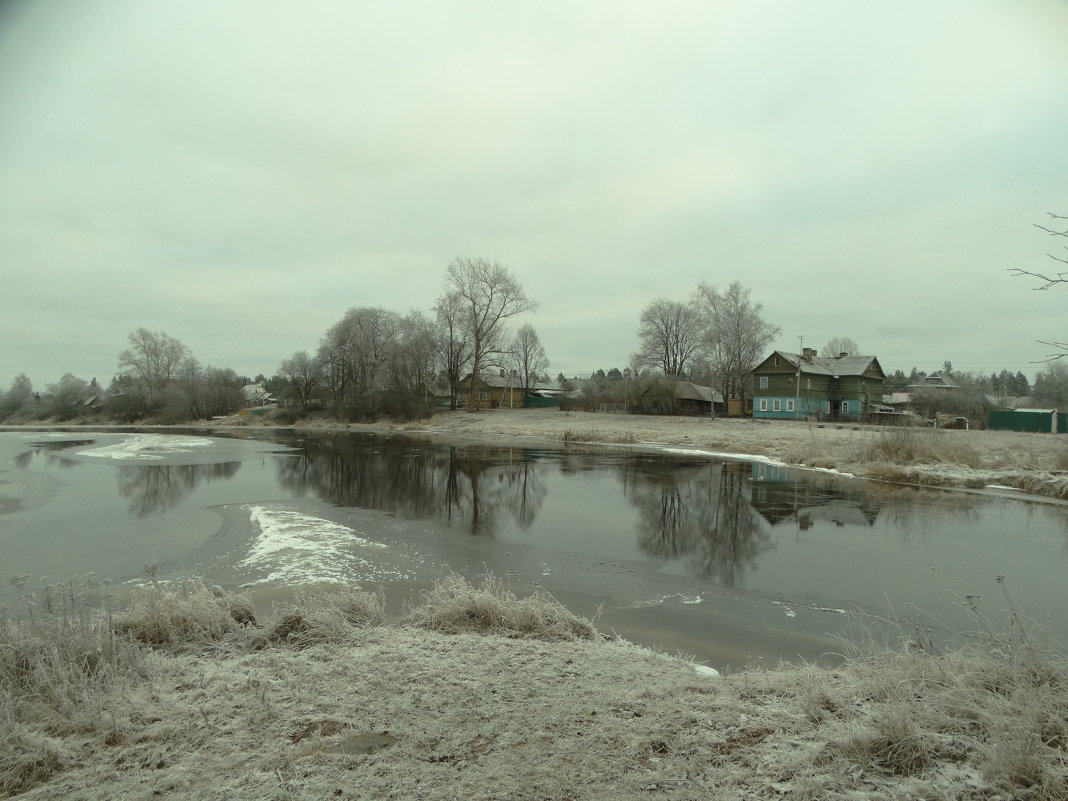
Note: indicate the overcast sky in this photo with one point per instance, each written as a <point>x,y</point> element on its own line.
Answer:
<point>238,174</point>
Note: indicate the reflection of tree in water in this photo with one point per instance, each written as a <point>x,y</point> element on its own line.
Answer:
<point>156,488</point>
<point>699,513</point>
<point>466,486</point>
<point>23,459</point>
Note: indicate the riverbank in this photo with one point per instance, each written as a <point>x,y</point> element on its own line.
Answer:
<point>1031,463</point>
<point>477,694</point>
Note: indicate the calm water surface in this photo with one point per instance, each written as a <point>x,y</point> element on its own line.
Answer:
<point>728,560</point>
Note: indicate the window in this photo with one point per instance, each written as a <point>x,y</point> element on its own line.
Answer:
<point>827,407</point>
<point>763,382</point>
<point>776,361</point>
<point>808,383</point>
<point>775,405</point>
<point>845,406</point>
<point>790,405</point>
<point>763,404</point>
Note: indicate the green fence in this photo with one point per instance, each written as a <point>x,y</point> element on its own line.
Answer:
<point>1037,420</point>
<point>535,402</point>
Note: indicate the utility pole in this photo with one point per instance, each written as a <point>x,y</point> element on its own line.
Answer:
<point>801,350</point>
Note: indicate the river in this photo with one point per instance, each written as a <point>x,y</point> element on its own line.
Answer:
<point>733,562</point>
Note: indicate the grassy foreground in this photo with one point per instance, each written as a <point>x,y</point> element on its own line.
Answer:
<point>181,692</point>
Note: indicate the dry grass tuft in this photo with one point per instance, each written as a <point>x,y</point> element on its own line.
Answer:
<point>912,446</point>
<point>453,606</point>
<point>27,759</point>
<point>894,746</point>
<point>593,436</point>
<point>189,614</point>
<point>324,617</point>
<point>59,658</point>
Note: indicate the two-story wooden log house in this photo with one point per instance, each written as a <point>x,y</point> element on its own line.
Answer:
<point>795,386</point>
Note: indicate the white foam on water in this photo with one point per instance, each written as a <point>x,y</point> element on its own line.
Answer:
<point>659,599</point>
<point>298,548</point>
<point>789,612</point>
<point>147,447</point>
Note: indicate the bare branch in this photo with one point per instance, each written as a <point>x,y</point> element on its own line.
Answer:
<point>1048,280</point>
<point>1052,357</point>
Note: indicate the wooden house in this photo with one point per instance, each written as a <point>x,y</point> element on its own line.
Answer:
<point>801,386</point>
<point>494,390</point>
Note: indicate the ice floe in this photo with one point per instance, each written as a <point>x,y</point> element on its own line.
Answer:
<point>147,447</point>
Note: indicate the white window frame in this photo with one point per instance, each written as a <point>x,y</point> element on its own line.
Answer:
<point>776,405</point>
<point>763,404</point>
<point>789,404</point>
<point>845,407</point>
<point>763,382</point>
<point>827,407</point>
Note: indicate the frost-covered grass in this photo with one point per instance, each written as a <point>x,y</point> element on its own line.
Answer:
<point>452,606</point>
<point>525,701</point>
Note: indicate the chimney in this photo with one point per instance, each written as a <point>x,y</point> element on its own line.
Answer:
<point>808,354</point>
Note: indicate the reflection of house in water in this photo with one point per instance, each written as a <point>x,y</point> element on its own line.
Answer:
<point>781,495</point>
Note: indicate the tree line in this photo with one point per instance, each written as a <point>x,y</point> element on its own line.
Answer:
<point>373,361</point>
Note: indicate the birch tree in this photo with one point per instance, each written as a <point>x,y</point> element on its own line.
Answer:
<point>736,336</point>
<point>489,295</point>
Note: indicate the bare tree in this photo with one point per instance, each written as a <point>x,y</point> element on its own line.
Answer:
<point>1050,279</point>
<point>18,398</point>
<point>302,373</point>
<point>735,334</point>
<point>354,352</point>
<point>454,341</point>
<point>66,397</point>
<point>207,391</point>
<point>528,356</point>
<point>671,334</point>
<point>1051,385</point>
<point>489,294</point>
<point>412,365</point>
<point>839,345</point>
<point>152,363</point>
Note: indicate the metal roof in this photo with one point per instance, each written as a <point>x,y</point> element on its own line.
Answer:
<point>835,367</point>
